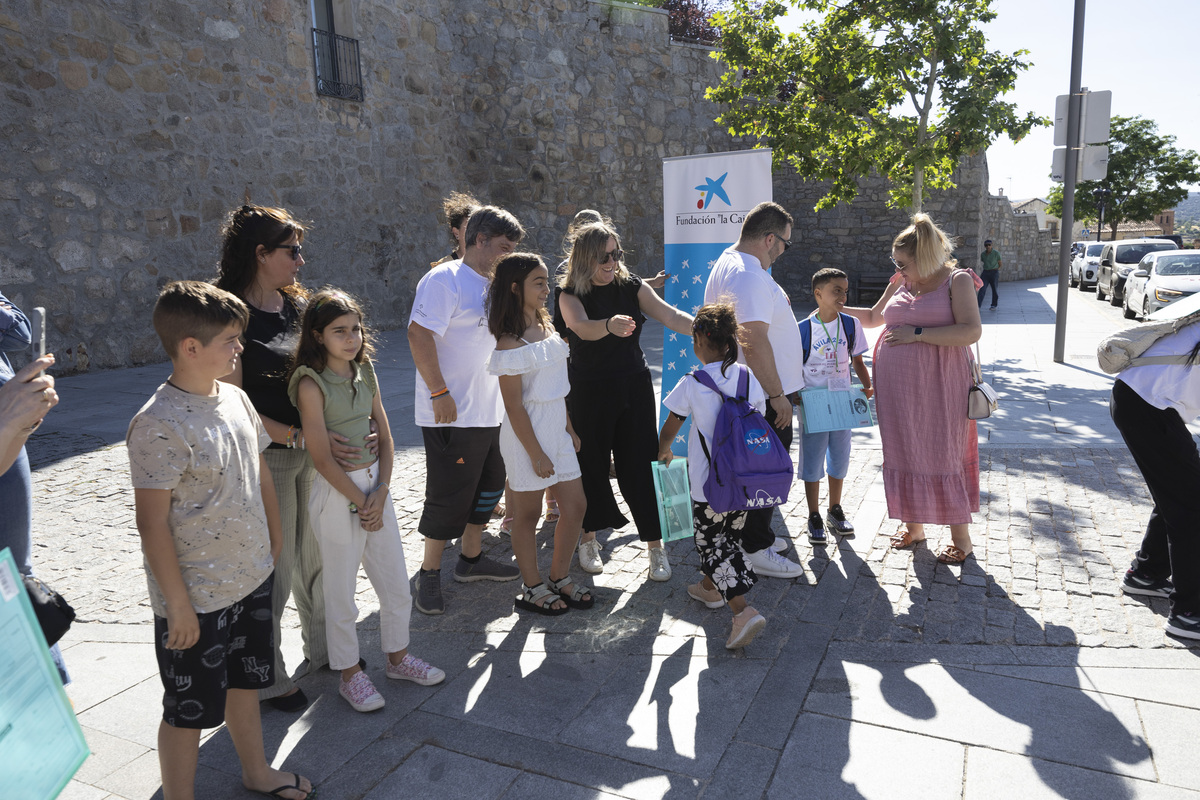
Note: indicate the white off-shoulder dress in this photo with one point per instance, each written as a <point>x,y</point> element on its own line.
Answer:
<point>544,386</point>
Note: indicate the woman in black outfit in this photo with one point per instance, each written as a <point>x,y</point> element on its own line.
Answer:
<point>612,402</point>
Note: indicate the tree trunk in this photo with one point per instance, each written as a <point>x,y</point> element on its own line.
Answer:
<point>918,188</point>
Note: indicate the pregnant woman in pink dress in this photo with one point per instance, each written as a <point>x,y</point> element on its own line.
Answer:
<point>922,375</point>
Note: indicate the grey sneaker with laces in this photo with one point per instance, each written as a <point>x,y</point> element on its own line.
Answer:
<point>428,597</point>
<point>485,569</point>
<point>837,524</point>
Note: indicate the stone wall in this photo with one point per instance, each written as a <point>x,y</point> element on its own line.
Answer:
<point>132,128</point>
<point>858,238</point>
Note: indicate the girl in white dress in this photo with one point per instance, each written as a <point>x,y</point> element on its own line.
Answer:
<point>536,438</point>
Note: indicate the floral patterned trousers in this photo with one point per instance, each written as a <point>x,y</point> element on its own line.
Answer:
<point>718,540</point>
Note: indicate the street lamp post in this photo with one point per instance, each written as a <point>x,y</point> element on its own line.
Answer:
<point>1101,196</point>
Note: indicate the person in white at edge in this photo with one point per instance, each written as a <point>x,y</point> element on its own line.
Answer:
<point>771,342</point>
<point>458,407</point>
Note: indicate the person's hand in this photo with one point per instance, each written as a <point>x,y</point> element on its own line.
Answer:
<point>665,455</point>
<point>28,397</point>
<point>444,409</point>
<point>373,507</point>
<point>371,440</point>
<point>543,467</point>
<point>620,325</point>
<point>901,334</point>
<point>576,442</point>
<point>183,628</point>
<point>658,281</point>
<point>783,412</point>
<point>869,391</point>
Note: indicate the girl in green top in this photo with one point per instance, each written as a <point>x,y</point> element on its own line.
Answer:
<point>333,384</point>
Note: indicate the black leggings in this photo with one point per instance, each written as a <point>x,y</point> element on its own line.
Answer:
<point>1166,454</point>
<point>617,417</point>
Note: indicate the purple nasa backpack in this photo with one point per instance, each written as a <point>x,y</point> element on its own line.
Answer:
<point>748,466</point>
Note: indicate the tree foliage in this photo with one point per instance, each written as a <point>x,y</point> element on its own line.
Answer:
<point>904,87</point>
<point>1147,174</point>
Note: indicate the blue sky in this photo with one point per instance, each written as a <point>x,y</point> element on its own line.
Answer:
<point>1145,53</point>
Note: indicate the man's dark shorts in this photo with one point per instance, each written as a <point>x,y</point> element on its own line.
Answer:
<point>236,650</point>
<point>464,479</point>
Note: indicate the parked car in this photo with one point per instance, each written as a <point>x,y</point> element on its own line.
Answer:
<point>1118,259</point>
<point>1159,280</point>
<point>1085,265</point>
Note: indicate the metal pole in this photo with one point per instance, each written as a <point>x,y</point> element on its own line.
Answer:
<point>1070,174</point>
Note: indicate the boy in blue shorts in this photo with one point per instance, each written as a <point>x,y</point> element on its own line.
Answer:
<point>209,523</point>
<point>835,341</point>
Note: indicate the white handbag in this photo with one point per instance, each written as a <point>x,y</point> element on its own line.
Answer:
<point>982,399</point>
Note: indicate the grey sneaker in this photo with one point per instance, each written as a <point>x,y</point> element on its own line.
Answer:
<point>485,569</point>
<point>428,598</point>
<point>837,524</point>
<point>1146,587</point>
<point>660,569</point>
<point>1185,625</point>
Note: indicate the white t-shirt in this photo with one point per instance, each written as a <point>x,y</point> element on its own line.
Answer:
<point>756,297</point>
<point>828,365</point>
<point>1166,386</point>
<point>692,399</point>
<point>450,303</point>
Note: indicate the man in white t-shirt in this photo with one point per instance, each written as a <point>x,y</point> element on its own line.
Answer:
<point>771,348</point>
<point>458,406</point>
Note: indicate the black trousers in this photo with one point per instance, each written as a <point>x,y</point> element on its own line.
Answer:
<point>991,277</point>
<point>1166,454</point>
<point>617,417</point>
<point>758,534</point>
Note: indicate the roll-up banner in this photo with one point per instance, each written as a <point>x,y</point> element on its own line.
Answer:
<point>705,199</point>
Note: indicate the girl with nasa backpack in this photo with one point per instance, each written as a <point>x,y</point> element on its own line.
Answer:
<point>722,492</point>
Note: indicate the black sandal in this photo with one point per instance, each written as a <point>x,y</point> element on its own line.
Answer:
<point>534,598</point>
<point>574,598</point>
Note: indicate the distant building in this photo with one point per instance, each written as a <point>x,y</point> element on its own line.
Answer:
<point>1036,207</point>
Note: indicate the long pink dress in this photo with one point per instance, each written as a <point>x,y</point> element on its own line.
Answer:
<point>930,450</point>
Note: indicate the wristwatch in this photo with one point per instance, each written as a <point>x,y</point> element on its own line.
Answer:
<point>917,331</point>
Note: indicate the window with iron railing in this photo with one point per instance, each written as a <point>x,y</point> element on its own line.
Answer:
<point>339,73</point>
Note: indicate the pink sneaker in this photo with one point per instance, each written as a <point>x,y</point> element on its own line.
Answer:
<point>415,670</point>
<point>360,693</point>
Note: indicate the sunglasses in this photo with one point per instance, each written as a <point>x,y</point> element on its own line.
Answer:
<point>294,248</point>
<point>899,267</point>
<point>613,255</point>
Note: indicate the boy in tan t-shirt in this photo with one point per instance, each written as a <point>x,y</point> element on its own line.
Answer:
<point>209,522</point>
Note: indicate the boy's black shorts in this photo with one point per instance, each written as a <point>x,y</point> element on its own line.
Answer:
<point>236,650</point>
<point>464,479</point>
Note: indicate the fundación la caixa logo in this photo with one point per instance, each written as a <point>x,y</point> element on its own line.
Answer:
<point>712,191</point>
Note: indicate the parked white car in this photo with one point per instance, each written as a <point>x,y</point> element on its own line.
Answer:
<point>1118,259</point>
<point>1085,265</point>
<point>1160,279</point>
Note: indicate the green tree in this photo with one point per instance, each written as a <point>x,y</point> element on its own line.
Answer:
<point>1146,174</point>
<point>904,87</point>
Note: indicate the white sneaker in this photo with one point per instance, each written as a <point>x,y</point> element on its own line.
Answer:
<point>360,693</point>
<point>770,564</point>
<point>589,557</point>
<point>780,544</point>
<point>660,570</point>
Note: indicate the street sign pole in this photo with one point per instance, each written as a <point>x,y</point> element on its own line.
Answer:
<point>1069,175</point>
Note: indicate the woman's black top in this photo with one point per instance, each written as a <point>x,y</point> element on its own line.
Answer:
<point>611,356</point>
<point>270,341</point>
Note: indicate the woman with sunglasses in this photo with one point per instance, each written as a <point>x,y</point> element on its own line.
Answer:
<point>922,375</point>
<point>611,402</point>
<point>260,263</point>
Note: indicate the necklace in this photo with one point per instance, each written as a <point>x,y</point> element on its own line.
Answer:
<point>937,281</point>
